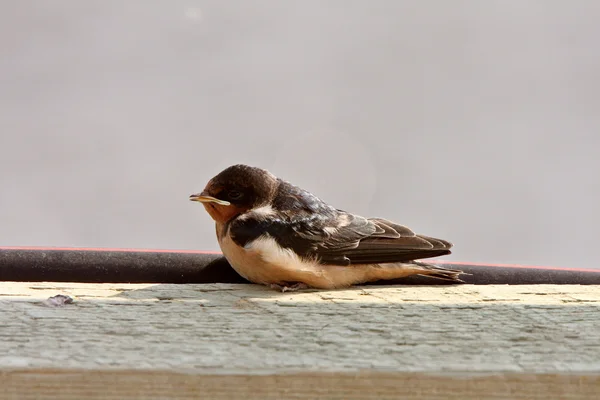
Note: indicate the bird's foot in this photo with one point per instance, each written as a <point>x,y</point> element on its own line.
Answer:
<point>289,288</point>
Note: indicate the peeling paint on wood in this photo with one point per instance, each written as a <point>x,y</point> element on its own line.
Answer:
<point>124,333</point>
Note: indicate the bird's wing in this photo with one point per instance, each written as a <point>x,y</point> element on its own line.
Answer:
<point>389,243</point>
<point>340,238</point>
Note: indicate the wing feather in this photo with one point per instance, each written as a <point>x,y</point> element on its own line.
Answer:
<point>341,238</point>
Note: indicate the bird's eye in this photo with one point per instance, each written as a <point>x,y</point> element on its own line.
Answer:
<point>234,194</point>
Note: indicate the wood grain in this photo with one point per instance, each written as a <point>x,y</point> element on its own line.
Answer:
<point>161,385</point>
<point>120,341</point>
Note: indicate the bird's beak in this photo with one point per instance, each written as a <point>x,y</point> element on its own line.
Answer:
<point>202,198</point>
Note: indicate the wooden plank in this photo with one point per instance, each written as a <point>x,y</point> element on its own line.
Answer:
<point>161,385</point>
<point>174,341</point>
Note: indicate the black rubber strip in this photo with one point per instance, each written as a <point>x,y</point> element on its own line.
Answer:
<point>148,266</point>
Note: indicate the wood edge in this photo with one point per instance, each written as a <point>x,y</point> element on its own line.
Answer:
<point>70,384</point>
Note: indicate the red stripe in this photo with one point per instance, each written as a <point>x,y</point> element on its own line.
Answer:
<point>126,250</point>
<point>515,266</point>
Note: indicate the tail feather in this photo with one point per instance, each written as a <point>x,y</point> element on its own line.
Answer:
<point>439,272</point>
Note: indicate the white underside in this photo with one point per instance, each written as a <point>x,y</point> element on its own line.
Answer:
<point>263,261</point>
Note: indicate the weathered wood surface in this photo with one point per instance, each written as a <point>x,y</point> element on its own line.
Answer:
<point>175,341</point>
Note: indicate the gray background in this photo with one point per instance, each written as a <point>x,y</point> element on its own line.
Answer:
<point>475,121</point>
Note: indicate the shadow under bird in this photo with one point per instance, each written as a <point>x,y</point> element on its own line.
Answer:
<point>276,234</point>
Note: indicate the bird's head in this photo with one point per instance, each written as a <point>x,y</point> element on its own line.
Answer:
<point>236,190</point>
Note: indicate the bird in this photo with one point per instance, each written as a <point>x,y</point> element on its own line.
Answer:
<point>276,234</point>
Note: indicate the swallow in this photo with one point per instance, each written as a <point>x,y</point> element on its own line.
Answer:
<point>276,234</point>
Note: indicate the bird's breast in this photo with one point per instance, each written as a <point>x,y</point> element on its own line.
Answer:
<point>259,263</point>
<point>263,261</point>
